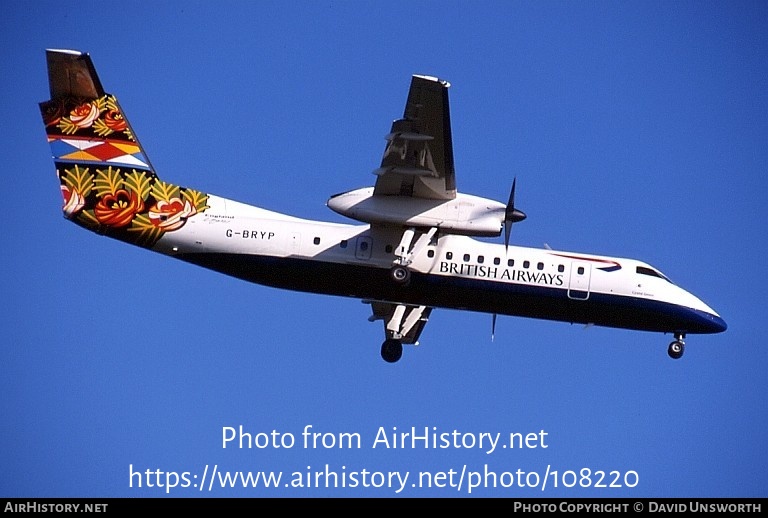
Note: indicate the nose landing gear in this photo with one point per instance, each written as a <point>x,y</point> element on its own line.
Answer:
<point>677,348</point>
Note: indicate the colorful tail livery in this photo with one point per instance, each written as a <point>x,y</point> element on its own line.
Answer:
<point>412,248</point>
<point>107,181</point>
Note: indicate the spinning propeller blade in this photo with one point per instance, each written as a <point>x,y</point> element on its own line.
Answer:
<point>511,215</point>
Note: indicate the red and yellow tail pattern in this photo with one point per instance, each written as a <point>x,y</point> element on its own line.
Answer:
<point>107,182</point>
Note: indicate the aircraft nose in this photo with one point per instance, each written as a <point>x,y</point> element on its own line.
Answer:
<point>703,319</point>
<point>718,324</point>
<point>708,323</point>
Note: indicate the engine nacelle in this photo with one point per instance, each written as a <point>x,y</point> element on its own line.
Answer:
<point>465,214</point>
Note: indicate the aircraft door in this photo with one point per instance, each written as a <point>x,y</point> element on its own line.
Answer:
<point>578,285</point>
<point>363,247</point>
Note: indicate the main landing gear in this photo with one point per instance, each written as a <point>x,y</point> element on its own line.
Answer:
<point>677,348</point>
<point>404,254</point>
<point>391,350</point>
<point>400,274</point>
<point>403,324</point>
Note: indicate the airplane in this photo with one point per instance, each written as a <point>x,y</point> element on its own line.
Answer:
<point>413,248</point>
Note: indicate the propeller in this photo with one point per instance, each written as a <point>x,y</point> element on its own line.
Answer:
<point>493,327</point>
<point>511,214</point>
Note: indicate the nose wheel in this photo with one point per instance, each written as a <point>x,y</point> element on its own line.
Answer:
<point>677,348</point>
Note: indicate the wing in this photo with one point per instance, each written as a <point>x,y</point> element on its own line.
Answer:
<point>402,322</point>
<point>418,158</point>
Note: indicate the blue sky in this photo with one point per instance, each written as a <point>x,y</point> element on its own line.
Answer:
<point>635,129</point>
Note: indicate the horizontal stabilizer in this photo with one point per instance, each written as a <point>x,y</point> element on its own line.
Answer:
<point>71,74</point>
<point>414,137</point>
<point>405,170</point>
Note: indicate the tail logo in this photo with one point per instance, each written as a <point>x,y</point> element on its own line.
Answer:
<point>107,182</point>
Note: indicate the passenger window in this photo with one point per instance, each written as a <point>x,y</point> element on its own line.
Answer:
<point>580,270</point>
<point>540,266</point>
<point>430,253</point>
<point>388,249</point>
<point>449,255</point>
<point>560,268</point>
<point>363,246</point>
<point>526,264</point>
<point>496,260</point>
<point>466,258</point>
<point>480,259</point>
<point>343,243</point>
<point>316,241</point>
<point>510,262</point>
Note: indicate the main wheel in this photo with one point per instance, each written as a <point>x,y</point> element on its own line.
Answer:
<point>400,274</point>
<point>391,350</point>
<point>676,349</point>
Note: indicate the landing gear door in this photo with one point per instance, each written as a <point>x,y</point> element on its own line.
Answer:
<point>578,286</point>
<point>363,247</point>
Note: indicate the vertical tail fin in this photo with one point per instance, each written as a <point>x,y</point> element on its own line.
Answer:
<point>107,181</point>
<point>84,124</point>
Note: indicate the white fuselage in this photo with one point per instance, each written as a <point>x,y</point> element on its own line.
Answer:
<point>414,248</point>
<point>454,271</point>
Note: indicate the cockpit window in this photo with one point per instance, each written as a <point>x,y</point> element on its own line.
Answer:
<point>644,270</point>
